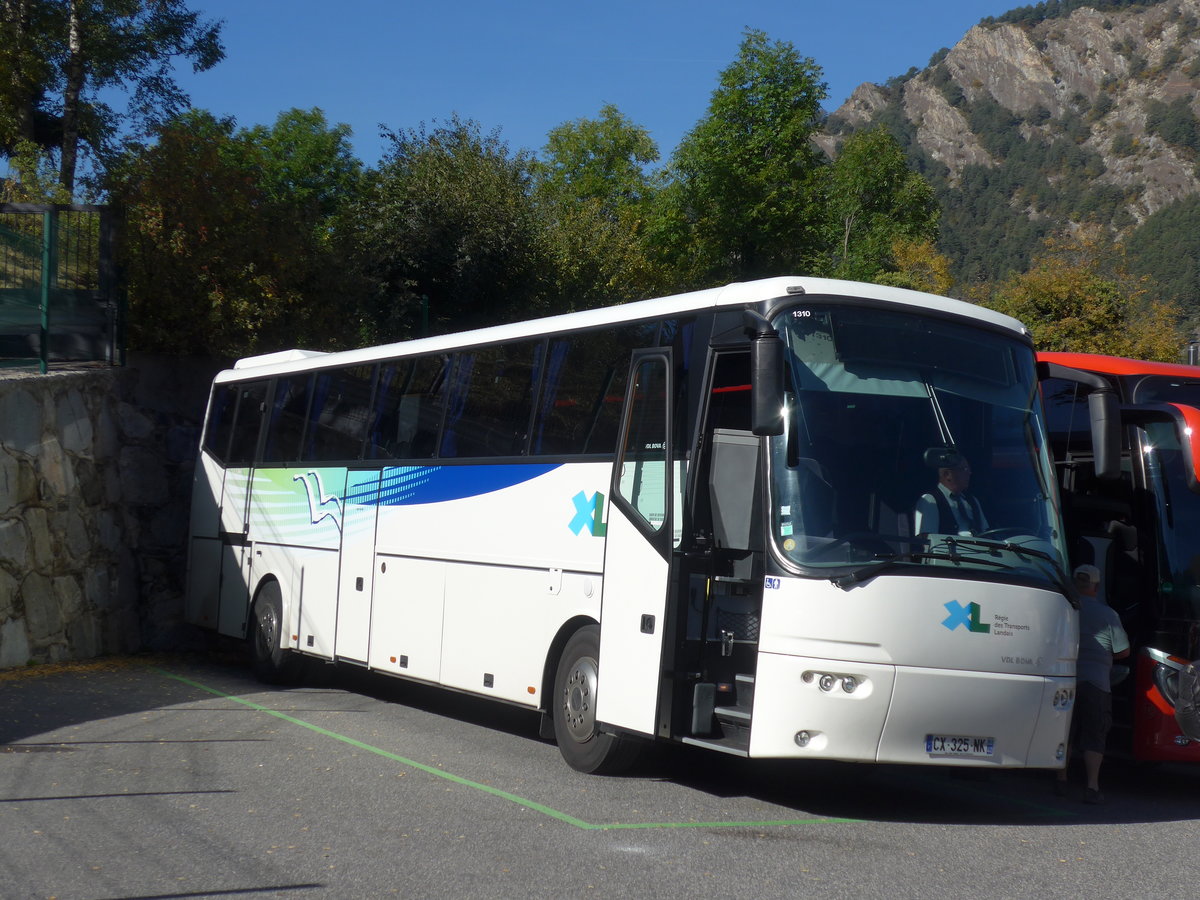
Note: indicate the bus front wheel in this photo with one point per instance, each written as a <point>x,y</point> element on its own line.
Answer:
<point>584,747</point>
<point>272,663</point>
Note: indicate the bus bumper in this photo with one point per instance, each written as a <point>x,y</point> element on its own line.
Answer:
<point>805,707</point>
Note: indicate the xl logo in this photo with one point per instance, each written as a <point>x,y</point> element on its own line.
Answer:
<point>589,512</point>
<point>966,615</point>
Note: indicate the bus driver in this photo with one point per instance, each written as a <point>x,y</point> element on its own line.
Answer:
<point>949,509</point>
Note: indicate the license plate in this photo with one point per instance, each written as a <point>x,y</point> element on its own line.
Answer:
<point>958,745</point>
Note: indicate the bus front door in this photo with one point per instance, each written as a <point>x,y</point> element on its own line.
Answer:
<point>637,553</point>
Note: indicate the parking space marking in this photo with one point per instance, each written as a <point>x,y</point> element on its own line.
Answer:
<point>487,789</point>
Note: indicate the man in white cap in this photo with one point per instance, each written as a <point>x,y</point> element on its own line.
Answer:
<point>1101,641</point>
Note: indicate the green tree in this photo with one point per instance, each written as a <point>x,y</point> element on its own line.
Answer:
<point>1167,246</point>
<point>26,73</point>
<point>598,257</point>
<point>601,159</point>
<point>66,53</point>
<point>1077,297</point>
<point>447,228</point>
<point>307,161</point>
<point>874,199</point>
<point>217,260</point>
<point>739,201</point>
<point>593,192</point>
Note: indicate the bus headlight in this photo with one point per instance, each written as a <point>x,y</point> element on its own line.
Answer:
<point>1166,679</point>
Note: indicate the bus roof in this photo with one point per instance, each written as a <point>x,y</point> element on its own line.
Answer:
<point>738,294</point>
<point>1118,365</point>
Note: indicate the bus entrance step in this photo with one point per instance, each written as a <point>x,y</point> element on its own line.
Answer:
<point>722,745</point>
<point>743,701</point>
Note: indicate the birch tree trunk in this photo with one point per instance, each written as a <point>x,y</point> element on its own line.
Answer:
<point>75,71</point>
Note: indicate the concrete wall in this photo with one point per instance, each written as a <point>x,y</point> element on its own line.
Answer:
<point>95,485</point>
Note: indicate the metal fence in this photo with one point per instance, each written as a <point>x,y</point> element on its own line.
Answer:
<point>60,298</point>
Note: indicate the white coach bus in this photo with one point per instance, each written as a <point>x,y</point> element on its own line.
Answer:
<point>692,518</point>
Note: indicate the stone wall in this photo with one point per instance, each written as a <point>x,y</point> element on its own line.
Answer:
<point>95,483</point>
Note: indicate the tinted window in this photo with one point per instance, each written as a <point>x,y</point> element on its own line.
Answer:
<point>491,402</point>
<point>220,420</point>
<point>579,410</point>
<point>338,417</point>
<point>1164,389</point>
<point>407,413</point>
<point>251,405</point>
<point>1067,415</point>
<point>289,410</point>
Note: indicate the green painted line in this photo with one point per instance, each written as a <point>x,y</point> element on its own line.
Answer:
<point>487,789</point>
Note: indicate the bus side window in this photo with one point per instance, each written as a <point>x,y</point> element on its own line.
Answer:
<point>583,388</point>
<point>643,462</point>
<point>339,414</point>
<point>248,422</point>
<point>289,410</point>
<point>407,412</point>
<point>220,421</point>
<point>491,403</point>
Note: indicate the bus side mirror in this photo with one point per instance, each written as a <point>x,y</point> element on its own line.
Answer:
<point>766,375</point>
<point>1105,414</point>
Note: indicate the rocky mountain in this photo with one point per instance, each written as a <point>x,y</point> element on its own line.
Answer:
<point>1052,116</point>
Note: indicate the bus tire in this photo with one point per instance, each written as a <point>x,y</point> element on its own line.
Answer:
<point>273,664</point>
<point>584,748</point>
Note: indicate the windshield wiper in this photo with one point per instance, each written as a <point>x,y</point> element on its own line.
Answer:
<point>1054,570</point>
<point>899,560</point>
<point>1004,545</point>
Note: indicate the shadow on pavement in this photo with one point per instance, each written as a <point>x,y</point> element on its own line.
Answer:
<point>50,698</point>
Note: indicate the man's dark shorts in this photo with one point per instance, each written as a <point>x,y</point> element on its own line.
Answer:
<point>1092,718</point>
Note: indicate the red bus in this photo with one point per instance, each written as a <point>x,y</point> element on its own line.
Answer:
<point>1141,526</point>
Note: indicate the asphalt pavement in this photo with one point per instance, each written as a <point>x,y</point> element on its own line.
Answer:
<point>183,777</point>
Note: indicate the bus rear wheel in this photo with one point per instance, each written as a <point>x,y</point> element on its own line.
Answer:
<point>273,663</point>
<point>584,747</point>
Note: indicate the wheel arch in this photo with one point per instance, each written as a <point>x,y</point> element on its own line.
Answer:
<point>554,653</point>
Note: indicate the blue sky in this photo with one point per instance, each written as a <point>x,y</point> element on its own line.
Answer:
<point>526,66</point>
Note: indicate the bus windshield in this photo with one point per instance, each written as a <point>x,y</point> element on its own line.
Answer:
<point>891,418</point>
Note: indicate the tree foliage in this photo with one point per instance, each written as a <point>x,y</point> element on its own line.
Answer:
<point>1077,297</point>
<point>1167,247</point>
<point>593,194</point>
<point>447,229</point>
<point>741,186</point>
<point>872,200</point>
<point>59,56</point>
<point>918,266</point>
<point>219,259</point>
<point>601,159</point>
<point>242,241</point>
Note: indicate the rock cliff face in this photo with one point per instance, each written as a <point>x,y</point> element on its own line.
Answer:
<point>1093,80</point>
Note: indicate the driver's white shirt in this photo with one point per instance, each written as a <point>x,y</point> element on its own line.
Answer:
<point>925,516</point>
